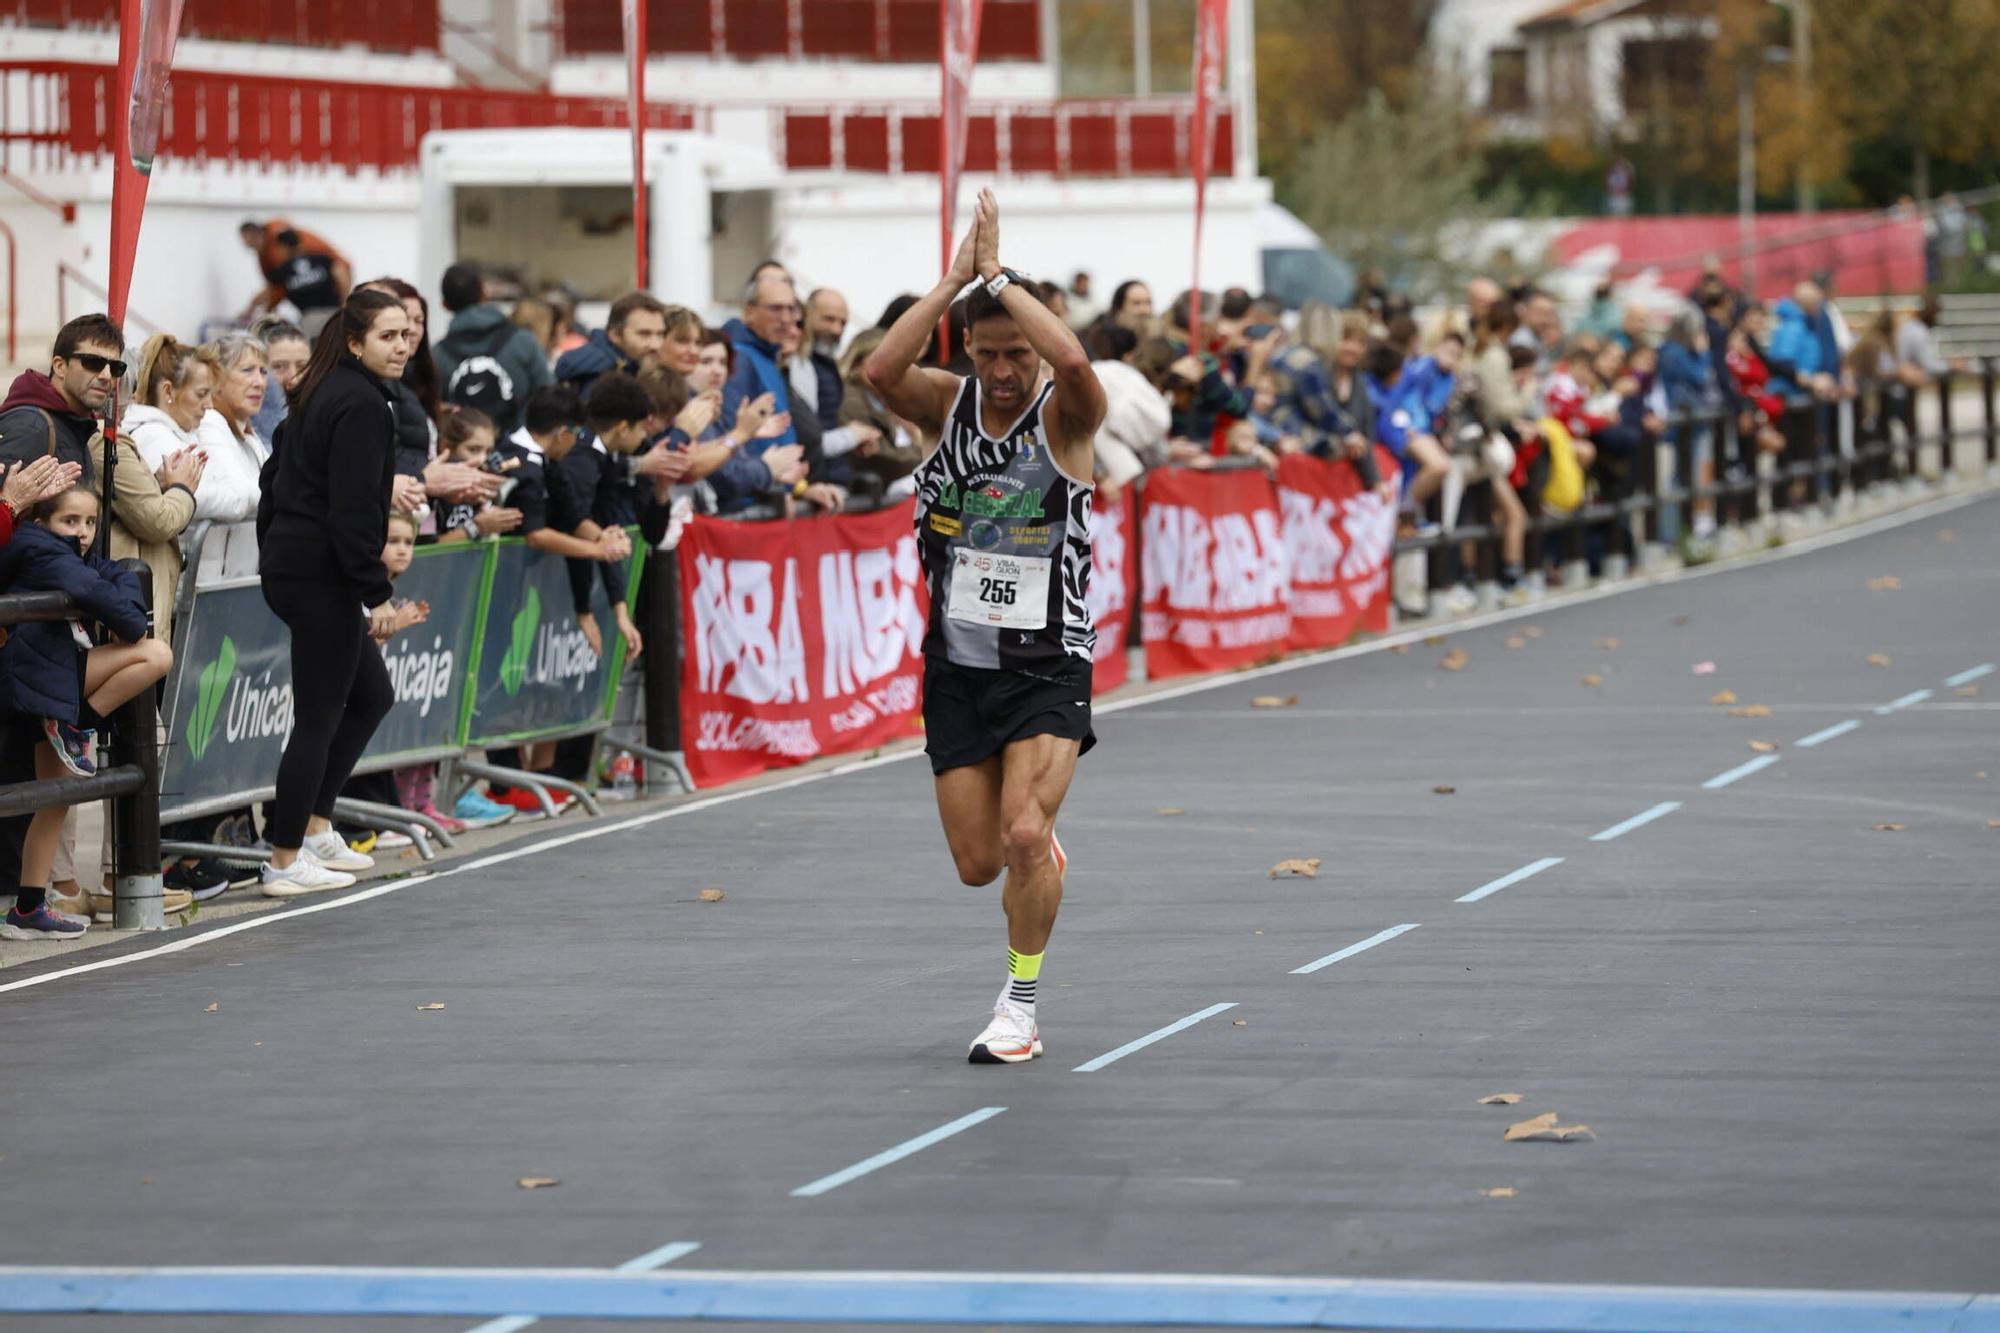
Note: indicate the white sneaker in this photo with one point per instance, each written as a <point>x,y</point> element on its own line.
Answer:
<point>1010,1039</point>
<point>303,875</point>
<point>331,850</point>
<point>1461,600</point>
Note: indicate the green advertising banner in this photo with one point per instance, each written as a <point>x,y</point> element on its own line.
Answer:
<point>231,706</point>
<point>535,676</point>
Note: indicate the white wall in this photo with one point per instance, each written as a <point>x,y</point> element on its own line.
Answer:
<point>1464,31</point>
<point>191,266</point>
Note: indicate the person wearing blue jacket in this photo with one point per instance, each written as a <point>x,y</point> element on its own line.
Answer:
<point>630,341</point>
<point>49,671</point>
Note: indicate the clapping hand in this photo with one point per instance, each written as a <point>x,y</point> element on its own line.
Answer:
<point>28,484</point>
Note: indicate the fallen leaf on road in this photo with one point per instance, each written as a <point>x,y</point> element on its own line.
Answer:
<point>710,895</point>
<point>1241,1023</point>
<point>1433,640</point>
<point>1399,647</point>
<point>1704,668</point>
<point>1593,679</point>
<point>1754,710</point>
<point>1890,828</point>
<point>1966,691</point>
<point>1947,536</point>
<point>1607,644</point>
<point>1500,1099</point>
<point>1172,810</point>
<point>1764,747</point>
<point>429,1008</point>
<point>1516,641</point>
<point>1532,631</point>
<point>1503,1192</point>
<point>537,1182</point>
<point>1993,823</point>
<point>1274,701</point>
<point>1454,660</point>
<point>1308,868</point>
<point>1678,620</point>
<point>1443,791</point>
<point>1878,659</point>
<point>1544,1129</point>
<point>1724,697</point>
<point>1887,583</point>
<point>211,1009</point>
<point>1980,775</point>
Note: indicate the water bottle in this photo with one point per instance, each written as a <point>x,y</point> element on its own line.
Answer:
<point>624,778</point>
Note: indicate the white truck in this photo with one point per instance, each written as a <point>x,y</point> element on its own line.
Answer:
<point>554,207</point>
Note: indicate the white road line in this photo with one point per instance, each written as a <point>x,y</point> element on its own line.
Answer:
<point>896,1154</point>
<point>1639,820</point>
<point>1381,937</point>
<point>1514,877</point>
<point>1967,677</point>
<point>1112,1057</point>
<point>1834,732</point>
<point>645,1263</point>
<point>1791,551</point>
<point>1757,765</point>
<point>1913,697</point>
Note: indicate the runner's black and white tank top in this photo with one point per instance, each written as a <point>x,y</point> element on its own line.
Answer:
<point>1005,536</point>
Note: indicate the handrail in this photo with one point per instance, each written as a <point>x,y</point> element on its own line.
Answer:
<point>62,208</point>
<point>67,272</point>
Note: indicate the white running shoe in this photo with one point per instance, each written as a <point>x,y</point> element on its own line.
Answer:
<point>331,850</point>
<point>1461,600</point>
<point>1010,1039</point>
<point>303,875</point>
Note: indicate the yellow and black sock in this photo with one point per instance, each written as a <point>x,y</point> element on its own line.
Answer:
<point>1024,970</point>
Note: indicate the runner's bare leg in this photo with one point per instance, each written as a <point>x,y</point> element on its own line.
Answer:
<point>1035,777</point>
<point>969,805</point>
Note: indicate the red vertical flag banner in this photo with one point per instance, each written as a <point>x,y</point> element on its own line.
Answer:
<point>147,30</point>
<point>1211,44</point>
<point>635,93</point>
<point>958,53</point>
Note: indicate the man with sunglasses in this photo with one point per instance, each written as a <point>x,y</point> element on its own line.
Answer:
<point>58,412</point>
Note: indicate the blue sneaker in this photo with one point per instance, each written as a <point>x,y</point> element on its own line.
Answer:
<point>72,746</point>
<point>476,811</point>
<point>44,923</point>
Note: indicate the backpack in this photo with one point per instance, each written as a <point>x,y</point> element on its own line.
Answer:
<point>481,381</point>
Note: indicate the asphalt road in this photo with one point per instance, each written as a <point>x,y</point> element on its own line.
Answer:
<point>1777,1017</point>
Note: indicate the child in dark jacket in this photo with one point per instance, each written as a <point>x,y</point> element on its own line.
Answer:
<point>49,670</point>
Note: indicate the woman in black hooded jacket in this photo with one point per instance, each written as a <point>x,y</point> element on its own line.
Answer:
<point>321,528</point>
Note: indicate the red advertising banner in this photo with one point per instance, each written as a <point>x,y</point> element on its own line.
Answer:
<point>1338,536</point>
<point>1114,580</point>
<point>1211,43</point>
<point>635,101</point>
<point>803,639</point>
<point>1217,581</point>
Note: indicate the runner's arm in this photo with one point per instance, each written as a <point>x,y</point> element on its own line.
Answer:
<point>1079,398</point>
<point>917,393</point>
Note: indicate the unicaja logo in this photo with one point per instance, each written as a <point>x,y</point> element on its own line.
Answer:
<point>210,697</point>
<point>521,644</point>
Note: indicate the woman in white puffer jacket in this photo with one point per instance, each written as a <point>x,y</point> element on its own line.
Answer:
<point>229,489</point>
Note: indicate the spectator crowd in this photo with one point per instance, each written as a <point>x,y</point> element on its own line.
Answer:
<point>512,419</point>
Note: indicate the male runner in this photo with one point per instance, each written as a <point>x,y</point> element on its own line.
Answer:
<point>1003,520</point>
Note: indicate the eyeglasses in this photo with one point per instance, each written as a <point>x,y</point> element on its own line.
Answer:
<point>784,311</point>
<point>97,365</point>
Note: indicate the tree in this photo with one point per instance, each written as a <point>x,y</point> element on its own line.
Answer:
<point>1398,189</point>
<point>1320,60</point>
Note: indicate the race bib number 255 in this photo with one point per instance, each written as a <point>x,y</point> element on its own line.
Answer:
<point>1003,591</point>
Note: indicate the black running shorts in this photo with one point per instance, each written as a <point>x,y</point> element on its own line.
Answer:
<point>972,713</point>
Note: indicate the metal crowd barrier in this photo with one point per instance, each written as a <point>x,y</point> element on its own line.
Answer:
<point>1831,449</point>
<point>131,781</point>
